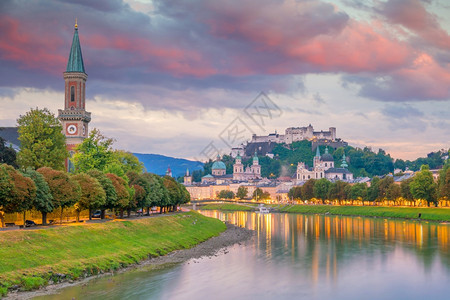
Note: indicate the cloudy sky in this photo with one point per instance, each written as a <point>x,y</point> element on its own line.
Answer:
<point>174,77</point>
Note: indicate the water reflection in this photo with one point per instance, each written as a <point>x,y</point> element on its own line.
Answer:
<point>329,241</point>
<point>299,257</point>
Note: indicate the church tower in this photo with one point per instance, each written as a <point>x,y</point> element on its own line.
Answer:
<point>74,118</point>
<point>187,178</point>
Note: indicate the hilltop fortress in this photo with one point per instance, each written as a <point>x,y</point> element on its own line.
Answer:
<point>264,144</point>
<point>295,134</point>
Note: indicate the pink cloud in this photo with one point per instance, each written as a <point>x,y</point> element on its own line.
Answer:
<point>413,15</point>
<point>29,50</point>
<point>172,59</point>
<point>358,48</point>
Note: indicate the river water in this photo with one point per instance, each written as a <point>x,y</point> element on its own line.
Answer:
<point>294,256</point>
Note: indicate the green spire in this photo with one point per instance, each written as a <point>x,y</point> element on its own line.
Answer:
<point>75,62</point>
<point>317,151</point>
<point>255,158</point>
<point>344,162</point>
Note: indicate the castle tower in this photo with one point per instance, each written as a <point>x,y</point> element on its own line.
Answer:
<point>74,118</point>
<point>256,168</point>
<point>187,178</point>
<point>238,168</point>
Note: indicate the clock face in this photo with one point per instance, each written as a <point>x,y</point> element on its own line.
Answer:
<point>72,129</point>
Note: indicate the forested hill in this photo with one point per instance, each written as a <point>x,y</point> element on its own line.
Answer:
<point>361,162</point>
<point>155,163</point>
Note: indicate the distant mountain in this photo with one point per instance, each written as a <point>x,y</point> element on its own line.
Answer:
<point>155,163</point>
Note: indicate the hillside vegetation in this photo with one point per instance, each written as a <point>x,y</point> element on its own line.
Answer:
<point>362,162</point>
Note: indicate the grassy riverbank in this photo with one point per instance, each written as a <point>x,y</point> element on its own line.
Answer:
<point>431,214</point>
<point>228,206</point>
<point>34,258</point>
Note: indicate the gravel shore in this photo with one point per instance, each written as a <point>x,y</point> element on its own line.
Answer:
<point>233,235</point>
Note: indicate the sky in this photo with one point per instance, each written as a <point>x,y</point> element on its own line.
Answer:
<point>192,78</point>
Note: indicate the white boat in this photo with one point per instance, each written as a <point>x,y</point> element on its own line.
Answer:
<point>262,210</point>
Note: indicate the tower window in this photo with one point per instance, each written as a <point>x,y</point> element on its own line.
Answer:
<point>72,93</point>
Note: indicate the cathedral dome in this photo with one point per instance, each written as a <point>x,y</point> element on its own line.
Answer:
<point>218,165</point>
<point>327,156</point>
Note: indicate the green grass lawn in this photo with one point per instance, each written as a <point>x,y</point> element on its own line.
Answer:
<point>32,258</point>
<point>431,214</point>
<point>228,206</point>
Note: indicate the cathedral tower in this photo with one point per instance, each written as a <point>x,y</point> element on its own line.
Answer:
<point>74,118</point>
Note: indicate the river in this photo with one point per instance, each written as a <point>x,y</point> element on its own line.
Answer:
<point>294,256</point>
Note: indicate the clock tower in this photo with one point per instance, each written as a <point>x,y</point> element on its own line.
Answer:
<point>74,118</point>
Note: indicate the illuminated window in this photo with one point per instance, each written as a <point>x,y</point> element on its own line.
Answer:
<point>72,93</point>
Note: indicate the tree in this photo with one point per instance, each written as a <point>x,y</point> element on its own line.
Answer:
<point>358,191</point>
<point>43,202</point>
<point>95,152</point>
<point>92,194</point>
<point>186,194</point>
<point>308,189</point>
<point>42,142</point>
<point>295,192</point>
<point>19,191</point>
<point>405,189</point>
<point>423,185</point>
<point>108,187</point>
<point>372,191</point>
<point>175,194</point>
<point>116,168</point>
<point>384,186</point>
<point>142,196</point>
<point>128,161</point>
<point>6,185</point>
<point>259,194</point>
<point>65,191</point>
<point>444,183</point>
<point>321,188</point>
<point>225,194</point>
<point>132,204</point>
<point>7,154</point>
<point>400,164</point>
<point>242,192</point>
<point>120,185</point>
<point>338,190</point>
<point>158,195</point>
<point>394,191</point>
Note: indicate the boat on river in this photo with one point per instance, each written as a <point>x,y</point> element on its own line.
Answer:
<point>262,210</point>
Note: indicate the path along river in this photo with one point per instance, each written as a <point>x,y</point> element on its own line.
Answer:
<point>294,256</point>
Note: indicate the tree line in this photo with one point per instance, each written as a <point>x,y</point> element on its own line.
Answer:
<point>420,187</point>
<point>100,178</point>
<point>242,193</point>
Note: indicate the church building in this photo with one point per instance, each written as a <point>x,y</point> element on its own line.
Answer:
<point>252,172</point>
<point>74,118</point>
<point>323,167</point>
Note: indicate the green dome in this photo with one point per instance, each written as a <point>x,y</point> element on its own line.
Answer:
<point>218,165</point>
<point>327,156</point>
